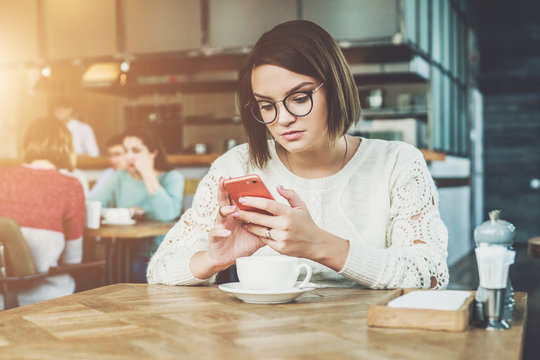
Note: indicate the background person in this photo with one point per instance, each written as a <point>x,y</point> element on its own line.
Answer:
<point>84,141</point>
<point>149,183</point>
<point>117,158</point>
<point>360,211</point>
<point>48,206</point>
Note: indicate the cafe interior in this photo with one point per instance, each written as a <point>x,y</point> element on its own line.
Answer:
<point>457,79</point>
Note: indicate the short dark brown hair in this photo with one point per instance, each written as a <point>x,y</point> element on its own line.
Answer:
<point>151,141</point>
<point>49,139</point>
<point>115,140</point>
<point>305,48</point>
<point>63,101</point>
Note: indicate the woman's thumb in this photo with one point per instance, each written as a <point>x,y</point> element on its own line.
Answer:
<point>292,197</point>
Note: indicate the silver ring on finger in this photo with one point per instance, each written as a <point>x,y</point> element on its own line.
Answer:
<point>267,234</point>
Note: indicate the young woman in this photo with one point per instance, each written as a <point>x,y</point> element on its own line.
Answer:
<point>48,206</point>
<point>358,210</point>
<point>148,183</point>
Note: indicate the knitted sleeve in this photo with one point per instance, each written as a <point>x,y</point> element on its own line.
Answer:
<point>416,238</point>
<point>170,264</point>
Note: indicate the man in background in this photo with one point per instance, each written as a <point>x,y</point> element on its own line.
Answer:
<point>84,141</point>
<point>117,158</point>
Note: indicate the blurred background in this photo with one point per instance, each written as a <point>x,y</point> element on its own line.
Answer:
<point>457,78</point>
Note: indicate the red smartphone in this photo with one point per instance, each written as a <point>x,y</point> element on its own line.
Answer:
<point>248,185</point>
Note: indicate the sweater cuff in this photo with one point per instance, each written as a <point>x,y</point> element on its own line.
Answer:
<point>364,264</point>
<point>177,271</point>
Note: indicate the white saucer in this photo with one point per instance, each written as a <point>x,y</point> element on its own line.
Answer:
<point>130,222</point>
<point>263,296</point>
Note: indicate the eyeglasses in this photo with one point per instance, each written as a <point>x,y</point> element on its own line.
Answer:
<point>298,103</point>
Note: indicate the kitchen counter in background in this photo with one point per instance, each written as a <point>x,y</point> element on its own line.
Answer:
<point>178,160</point>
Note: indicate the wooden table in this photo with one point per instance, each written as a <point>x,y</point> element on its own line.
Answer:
<point>118,248</point>
<point>534,247</point>
<point>139,321</point>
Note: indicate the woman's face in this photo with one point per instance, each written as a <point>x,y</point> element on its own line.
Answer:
<point>137,154</point>
<point>295,134</point>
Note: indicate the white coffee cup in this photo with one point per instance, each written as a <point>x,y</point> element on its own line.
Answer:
<point>93,214</point>
<point>117,215</point>
<point>271,272</point>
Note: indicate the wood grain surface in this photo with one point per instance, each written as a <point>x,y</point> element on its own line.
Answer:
<point>139,321</point>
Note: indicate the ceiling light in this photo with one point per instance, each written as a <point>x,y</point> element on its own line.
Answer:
<point>46,71</point>
<point>125,66</point>
<point>101,74</point>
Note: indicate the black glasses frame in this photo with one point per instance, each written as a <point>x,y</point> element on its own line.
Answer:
<point>284,102</point>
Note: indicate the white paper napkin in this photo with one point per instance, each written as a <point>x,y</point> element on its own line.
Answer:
<point>493,265</point>
<point>431,300</point>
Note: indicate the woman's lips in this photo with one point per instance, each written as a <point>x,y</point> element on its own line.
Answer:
<point>292,135</point>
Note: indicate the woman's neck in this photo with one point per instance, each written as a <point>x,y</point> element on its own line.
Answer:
<point>321,162</point>
<point>42,164</point>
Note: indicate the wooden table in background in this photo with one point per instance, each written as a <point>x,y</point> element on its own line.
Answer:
<point>139,321</point>
<point>534,247</point>
<point>120,236</point>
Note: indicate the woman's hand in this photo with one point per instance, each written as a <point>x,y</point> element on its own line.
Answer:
<point>145,165</point>
<point>229,239</point>
<point>291,230</point>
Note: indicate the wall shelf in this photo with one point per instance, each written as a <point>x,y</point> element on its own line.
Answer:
<point>419,113</point>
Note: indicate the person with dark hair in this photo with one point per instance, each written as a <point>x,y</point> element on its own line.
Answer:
<point>147,183</point>
<point>359,211</point>
<point>117,158</point>
<point>84,140</point>
<point>48,206</point>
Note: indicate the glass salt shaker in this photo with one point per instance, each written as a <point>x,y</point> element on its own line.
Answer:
<point>495,232</point>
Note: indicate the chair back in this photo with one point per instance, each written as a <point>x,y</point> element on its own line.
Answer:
<point>190,187</point>
<point>17,255</point>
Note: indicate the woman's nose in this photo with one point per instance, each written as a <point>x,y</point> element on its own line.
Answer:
<point>284,117</point>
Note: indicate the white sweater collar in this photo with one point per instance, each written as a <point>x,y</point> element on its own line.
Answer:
<point>277,167</point>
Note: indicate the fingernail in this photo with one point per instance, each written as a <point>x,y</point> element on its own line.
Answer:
<point>235,215</point>
<point>281,187</point>
<point>227,232</point>
<point>241,200</point>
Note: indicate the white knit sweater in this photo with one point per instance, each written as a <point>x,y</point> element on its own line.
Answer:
<point>383,201</point>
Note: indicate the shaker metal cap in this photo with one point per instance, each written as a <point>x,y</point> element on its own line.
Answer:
<point>495,231</point>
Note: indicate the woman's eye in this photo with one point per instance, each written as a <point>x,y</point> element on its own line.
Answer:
<point>265,107</point>
<point>300,99</point>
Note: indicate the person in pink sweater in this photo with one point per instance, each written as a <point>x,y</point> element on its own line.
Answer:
<point>48,206</point>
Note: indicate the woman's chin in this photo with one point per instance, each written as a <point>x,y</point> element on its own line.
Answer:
<point>132,170</point>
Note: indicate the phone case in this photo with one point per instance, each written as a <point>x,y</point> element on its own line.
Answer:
<point>248,185</point>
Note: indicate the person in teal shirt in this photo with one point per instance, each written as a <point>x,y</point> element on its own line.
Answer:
<point>148,183</point>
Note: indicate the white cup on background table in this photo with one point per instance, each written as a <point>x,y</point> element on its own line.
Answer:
<point>93,214</point>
